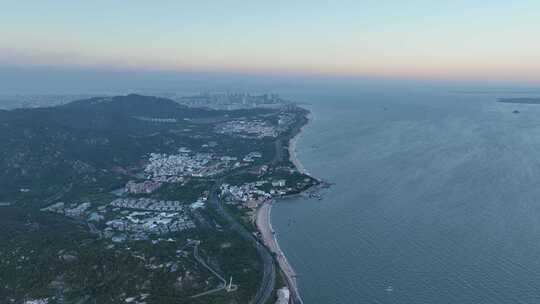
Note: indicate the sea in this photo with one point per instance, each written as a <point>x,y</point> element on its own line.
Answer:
<point>435,198</point>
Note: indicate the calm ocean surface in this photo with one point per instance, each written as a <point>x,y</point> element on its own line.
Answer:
<point>436,200</point>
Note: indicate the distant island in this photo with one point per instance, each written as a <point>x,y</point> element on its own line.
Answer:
<point>486,92</point>
<point>522,100</point>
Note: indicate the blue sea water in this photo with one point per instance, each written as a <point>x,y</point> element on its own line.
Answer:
<point>436,200</point>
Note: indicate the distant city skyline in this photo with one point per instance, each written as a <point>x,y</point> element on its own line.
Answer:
<point>480,41</point>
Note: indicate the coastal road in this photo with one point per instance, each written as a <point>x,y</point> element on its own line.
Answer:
<point>278,157</point>
<point>269,270</point>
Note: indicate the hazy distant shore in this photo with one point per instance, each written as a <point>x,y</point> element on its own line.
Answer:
<point>521,100</point>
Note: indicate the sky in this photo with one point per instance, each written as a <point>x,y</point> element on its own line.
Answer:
<point>487,40</point>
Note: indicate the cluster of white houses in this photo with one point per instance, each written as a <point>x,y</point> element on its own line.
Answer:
<point>141,223</point>
<point>71,210</point>
<point>147,204</point>
<point>252,191</point>
<point>144,187</point>
<point>163,166</point>
<point>247,128</point>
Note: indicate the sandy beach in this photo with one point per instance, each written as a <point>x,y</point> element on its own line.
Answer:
<point>269,238</point>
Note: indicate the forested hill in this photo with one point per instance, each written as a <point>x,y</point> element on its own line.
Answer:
<point>100,112</point>
<point>90,145</point>
<point>137,105</point>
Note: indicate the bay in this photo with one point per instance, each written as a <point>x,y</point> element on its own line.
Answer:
<point>436,199</point>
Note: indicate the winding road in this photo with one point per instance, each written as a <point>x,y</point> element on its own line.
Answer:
<point>269,270</point>
<point>202,262</point>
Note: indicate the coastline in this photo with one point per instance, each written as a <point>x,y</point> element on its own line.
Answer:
<point>292,147</point>
<point>264,223</point>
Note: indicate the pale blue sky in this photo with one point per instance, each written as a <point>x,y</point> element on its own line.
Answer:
<point>438,39</point>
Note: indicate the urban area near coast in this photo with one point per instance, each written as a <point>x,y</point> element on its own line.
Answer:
<point>139,199</point>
